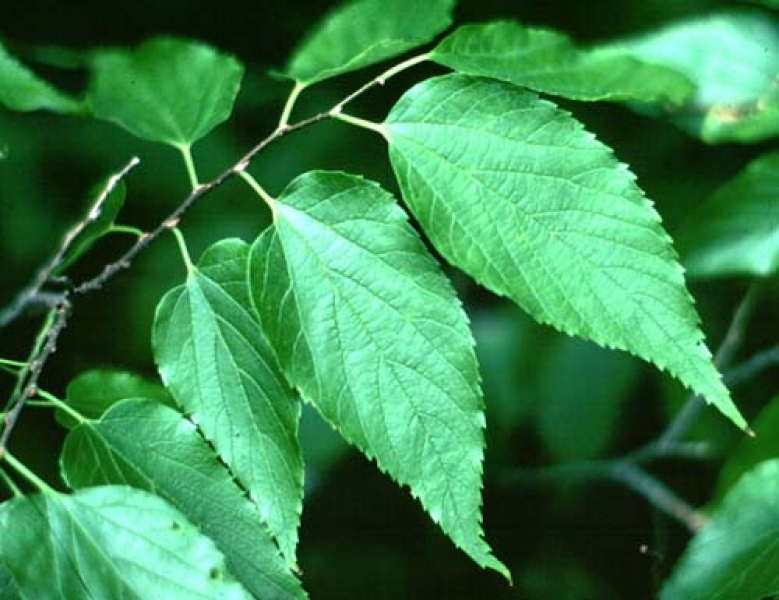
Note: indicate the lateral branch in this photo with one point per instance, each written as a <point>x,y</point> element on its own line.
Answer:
<point>61,304</point>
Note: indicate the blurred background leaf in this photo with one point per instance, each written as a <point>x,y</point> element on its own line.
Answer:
<point>580,539</point>
<point>736,230</point>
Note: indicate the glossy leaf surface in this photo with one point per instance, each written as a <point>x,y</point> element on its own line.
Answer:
<point>515,192</point>
<point>109,542</point>
<point>153,447</point>
<point>213,357</point>
<point>371,332</point>
<point>549,62</point>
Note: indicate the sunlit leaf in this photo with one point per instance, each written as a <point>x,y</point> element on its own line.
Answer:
<point>166,90</point>
<point>549,62</point>
<point>23,90</point>
<point>371,332</point>
<point>360,33</point>
<point>213,358</point>
<point>736,231</point>
<point>733,60</point>
<point>735,555</point>
<point>152,447</point>
<point>516,193</point>
<point>109,542</point>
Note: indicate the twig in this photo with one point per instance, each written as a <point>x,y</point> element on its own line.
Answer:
<point>654,452</point>
<point>629,470</point>
<point>626,471</point>
<point>61,304</point>
<point>172,220</point>
<point>657,494</point>
<point>752,366</point>
<point>28,381</point>
<point>33,294</point>
<point>380,80</point>
<point>9,483</point>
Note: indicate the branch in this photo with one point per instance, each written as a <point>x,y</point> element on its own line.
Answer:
<point>629,470</point>
<point>625,471</point>
<point>657,494</point>
<point>34,294</point>
<point>61,304</point>
<point>752,366</point>
<point>380,80</point>
<point>27,384</point>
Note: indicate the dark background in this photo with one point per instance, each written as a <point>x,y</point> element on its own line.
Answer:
<point>361,535</point>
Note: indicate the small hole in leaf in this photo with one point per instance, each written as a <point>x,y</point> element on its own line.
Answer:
<point>175,526</point>
<point>214,573</point>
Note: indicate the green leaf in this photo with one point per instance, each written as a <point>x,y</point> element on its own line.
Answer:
<point>751,450</point>
<point>152,447</point>
<point>166,90</point>
<point>516,193</point>
<point>96,229</point>
<point>23,90</point>
<point>92,393</point>
<point>212,356</point>
<point>109,542</point>
<point>549,62</point>
<point>733,60</point>
<point>8,589</point>
<point>361,33</point>
<point>735,555</point>
<point>582,390</point>
<point>736,231</point>
<point>371,332</point>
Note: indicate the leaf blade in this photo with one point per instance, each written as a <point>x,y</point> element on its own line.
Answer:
<point>736,230</point>
<point>167,90</point>
<point>734,555</point>
<point>23,90</point>
<point>735,98</point>
<point>109,542</point>
<point>547,61</point>
<point>367,327</point>
<point>214,359</point>
<point>513,191</point>
<point>152,447</point>
<point>360,33</point>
